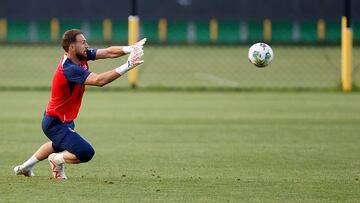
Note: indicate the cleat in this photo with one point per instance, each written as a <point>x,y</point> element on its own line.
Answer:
<point>22,171</point>
<point>57,169</point>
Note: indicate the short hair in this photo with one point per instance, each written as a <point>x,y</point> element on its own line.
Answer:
<point>69,37</point>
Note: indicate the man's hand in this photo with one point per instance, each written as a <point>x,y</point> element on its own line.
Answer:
<point>128,49</point>
<point>141,42</point>
<point>133,60</point>
<point>134,57</point>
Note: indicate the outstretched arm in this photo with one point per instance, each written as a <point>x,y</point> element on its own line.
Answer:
<point>101,79</point>
<point>109,76</point>
<point>110,52</point>
<point>117,51</point>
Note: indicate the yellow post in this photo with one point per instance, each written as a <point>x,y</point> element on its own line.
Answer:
<point>214,30</point>
<point>3,29</point>
<point>346,56</point>
<point>321,27</point>
<point>162,27</point>
<point>133,38</point>
<point>54,29</point>
<point>107,29</point>
<point>267,30</point>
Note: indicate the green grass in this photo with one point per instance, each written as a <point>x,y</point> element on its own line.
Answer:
<point>192,147</point>
<point>191,66</point>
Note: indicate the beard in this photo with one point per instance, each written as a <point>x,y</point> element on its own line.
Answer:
<point>81,57</point>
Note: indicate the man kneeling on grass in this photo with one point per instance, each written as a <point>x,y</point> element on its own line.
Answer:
<point>68,86</point>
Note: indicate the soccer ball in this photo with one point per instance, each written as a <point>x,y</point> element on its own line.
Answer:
<point>260,54</point>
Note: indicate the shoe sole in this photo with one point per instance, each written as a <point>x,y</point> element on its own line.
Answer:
<point>53,169</point>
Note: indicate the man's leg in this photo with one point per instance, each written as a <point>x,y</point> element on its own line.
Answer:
<point>42,153</point>
<point>57,161</point>
<point>77,150</point>
<point>66,157</point>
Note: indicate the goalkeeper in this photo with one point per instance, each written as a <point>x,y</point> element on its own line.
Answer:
<point>68,86</point>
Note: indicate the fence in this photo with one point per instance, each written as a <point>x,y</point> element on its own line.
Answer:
<point>211,54</point>
<point>190,66</point>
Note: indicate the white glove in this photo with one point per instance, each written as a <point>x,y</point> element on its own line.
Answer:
<point>132,61</point>
<point>128,49</point>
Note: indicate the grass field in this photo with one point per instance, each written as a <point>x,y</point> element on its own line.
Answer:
<point>192,147</point>
<point>191,66</point>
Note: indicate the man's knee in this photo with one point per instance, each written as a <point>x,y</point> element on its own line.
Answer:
<point>86,154</point>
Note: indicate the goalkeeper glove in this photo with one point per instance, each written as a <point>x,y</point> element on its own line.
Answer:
<point>128,49</point>
<point>132,61</point>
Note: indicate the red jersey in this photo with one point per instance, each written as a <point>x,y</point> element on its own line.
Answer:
<point>68,88</point>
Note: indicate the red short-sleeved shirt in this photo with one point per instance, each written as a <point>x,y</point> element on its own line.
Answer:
<point>68,88</point>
